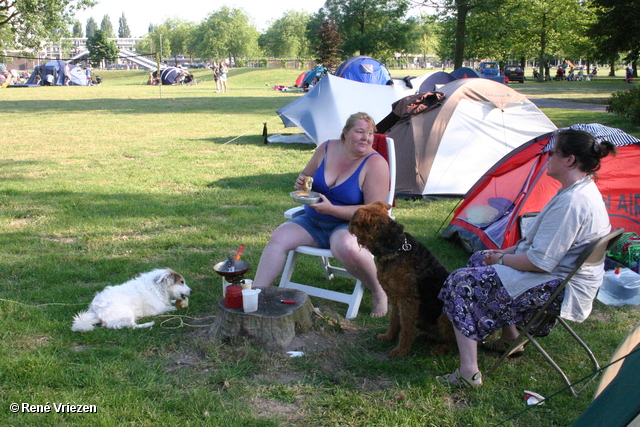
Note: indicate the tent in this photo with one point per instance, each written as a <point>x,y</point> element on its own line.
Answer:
<point>364,69</point>
<point>465,73</point>
<point>617,399</point>
<point>170,74</point>
<point>515,188</point>
<point>317,72</point>
<point>56,68</point>
<point>443,151</point>
<point>435,81</point>
<point>300,79</point>
<point>322,112</point>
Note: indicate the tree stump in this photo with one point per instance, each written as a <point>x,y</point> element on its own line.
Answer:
<point>273,325</point>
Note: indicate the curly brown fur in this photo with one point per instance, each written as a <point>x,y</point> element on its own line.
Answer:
<point>411,278</point>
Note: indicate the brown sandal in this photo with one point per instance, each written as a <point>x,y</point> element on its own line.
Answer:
<point>500,345</point>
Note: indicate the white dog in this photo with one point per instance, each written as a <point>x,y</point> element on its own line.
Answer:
<point>149,294</point>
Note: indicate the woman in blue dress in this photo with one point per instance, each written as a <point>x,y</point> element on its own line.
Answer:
<point>348,173</point>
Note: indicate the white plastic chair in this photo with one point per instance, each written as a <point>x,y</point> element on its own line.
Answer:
<point>353,299</point>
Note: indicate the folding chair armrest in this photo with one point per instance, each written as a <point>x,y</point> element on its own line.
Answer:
<point>294,212</point>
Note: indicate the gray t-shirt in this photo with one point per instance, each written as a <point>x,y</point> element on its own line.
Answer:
<point>571,220</point>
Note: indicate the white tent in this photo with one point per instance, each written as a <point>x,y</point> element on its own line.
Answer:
<point>322,112</point>
<point>444,148</point>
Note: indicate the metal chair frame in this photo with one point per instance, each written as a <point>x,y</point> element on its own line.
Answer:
<point>593,254</point>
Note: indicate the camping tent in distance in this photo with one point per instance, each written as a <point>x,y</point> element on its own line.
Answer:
<point>517,187</point>
<point>322,112</point>
<point>364,69</point>
<point>445,149</point>
<point>56,69</point>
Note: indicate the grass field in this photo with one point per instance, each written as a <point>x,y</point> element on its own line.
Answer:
<point>101,183</point>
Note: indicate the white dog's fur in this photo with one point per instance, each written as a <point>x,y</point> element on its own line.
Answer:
<point>149,294</point>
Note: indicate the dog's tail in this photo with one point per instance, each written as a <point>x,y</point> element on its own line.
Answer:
<point>84,321</point>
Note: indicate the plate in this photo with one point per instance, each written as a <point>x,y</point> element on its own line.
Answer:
<point>305,197</point>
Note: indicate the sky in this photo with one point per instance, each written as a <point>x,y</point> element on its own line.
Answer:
<point>139,14</point>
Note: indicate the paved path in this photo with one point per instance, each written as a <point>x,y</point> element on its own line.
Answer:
<point>568,105</point>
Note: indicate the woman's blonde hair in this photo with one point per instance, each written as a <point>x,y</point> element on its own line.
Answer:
<point>351,122</point>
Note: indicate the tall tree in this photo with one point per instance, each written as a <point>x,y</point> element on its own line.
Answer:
<point>423,36</point>
<point>123,27</point>
<point>174,35</point>
<point>617,28</point>
<point>286,37</point>
<point>26,23</point>
<point>227,33</point>
<point>328,46</point>
<point>77,29</point>
<point>455,14</point>
<point>106,26</point>
<point>369,27</point>
<point>92,27</point>
<point>101,48</point>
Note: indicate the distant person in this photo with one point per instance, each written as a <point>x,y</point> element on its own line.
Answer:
<point>67,74</point>
<point>629,75</point>
<point>48,80</point>
<point>216,75</point>
<point>223,77</point>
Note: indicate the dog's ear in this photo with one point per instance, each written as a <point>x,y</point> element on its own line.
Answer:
<point>166,275</point>
<point>382,205</point>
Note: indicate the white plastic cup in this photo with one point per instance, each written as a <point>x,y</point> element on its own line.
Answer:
<point>224,286</point>
<point>246,283</point>
<point>250,300</point>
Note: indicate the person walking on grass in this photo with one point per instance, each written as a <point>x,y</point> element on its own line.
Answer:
<point>223,76</point>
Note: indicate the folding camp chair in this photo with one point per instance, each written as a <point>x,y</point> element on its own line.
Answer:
<point>593,254</point>
<point>353,299</point>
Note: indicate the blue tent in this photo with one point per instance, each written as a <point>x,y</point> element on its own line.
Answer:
<point>465,73</point>
<point>435,80</point>
<point>364,69</point>
<point>56,68</point>
<point>318,72</point>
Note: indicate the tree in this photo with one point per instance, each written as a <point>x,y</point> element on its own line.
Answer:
<point>329,42</point>
<point>101,48</point>
<point>286,37</point>
<point>423,36</point>
<point>617,28</point>
<point>176,36</point>
<point>123,28</point>
<point>454,14</point>
<point>77,29</point>
<point>106,26</point>
<point>369,27</point>
<point>227,33</point>
<point>26,23</point>
<point>92,27</point>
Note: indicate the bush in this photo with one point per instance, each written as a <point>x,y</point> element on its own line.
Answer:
<point>626,103</point>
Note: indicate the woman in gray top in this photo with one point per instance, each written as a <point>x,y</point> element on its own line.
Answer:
<point>500,288</point>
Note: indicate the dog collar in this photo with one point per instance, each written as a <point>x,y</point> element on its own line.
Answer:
<point>405,247</point>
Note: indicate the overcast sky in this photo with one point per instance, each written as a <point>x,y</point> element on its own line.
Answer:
<point>140,14</point>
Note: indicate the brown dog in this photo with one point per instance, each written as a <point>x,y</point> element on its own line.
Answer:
<point>410,275</point>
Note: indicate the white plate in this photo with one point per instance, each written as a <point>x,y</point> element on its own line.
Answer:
<point>305,197</point>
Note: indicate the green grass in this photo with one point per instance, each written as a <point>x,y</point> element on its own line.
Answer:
<point>101,183</point>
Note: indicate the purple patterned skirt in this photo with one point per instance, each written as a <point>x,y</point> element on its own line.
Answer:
<point>477,303</point>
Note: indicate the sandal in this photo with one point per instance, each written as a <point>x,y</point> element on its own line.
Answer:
<point>457,380</point>
<point>500,345</point>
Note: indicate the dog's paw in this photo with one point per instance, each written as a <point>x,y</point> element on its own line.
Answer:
<point>385,337</point>
<point>398,352</point>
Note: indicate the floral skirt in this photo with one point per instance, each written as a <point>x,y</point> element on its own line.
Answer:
<point>478,304</point>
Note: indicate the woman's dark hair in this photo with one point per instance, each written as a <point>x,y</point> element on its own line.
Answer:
<point>585,147</point>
